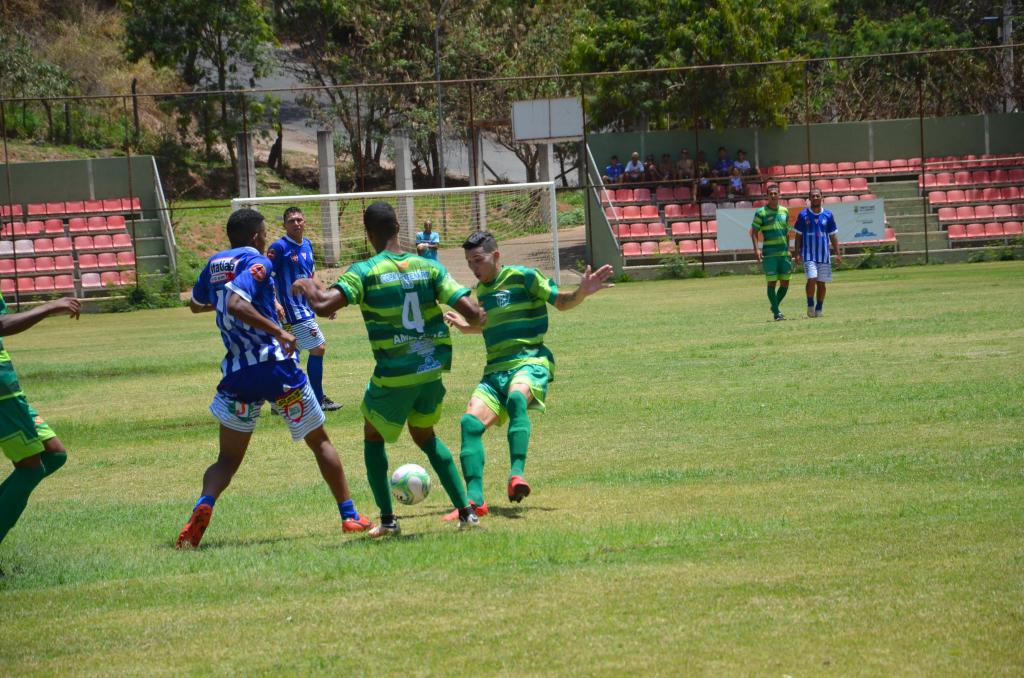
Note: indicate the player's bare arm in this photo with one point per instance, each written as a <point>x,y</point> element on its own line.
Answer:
<point>797,244</point>
<point>323,302</point>
<point>14,323</point>
<point>835,246</point>
<point>455,319</point>
<point>593,282</point>
<point>471,311</point>
<point>196,307</point>
<point>753,240</point>
<point>247,313</point>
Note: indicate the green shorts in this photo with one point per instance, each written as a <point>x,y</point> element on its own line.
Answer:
<point>778,268</point>
<point>388,409</point>
<point>22,430</point>
<point>494,387</point>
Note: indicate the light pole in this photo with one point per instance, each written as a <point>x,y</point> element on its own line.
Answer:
<point>1004,29</point>
<point>440,103</point>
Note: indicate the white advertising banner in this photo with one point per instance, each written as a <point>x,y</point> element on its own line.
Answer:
<point>857,222</point>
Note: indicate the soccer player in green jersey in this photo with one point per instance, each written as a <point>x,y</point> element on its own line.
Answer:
<point>26,439</point>
<point>399,294</point>
<point>772,222</point>
<point>519,366</point>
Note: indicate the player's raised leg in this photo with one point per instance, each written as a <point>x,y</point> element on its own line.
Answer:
<point>376,459</point>
<point>233,444</point>
<point>334,474</point>
<point>519,429</point>
<point>479,417</point>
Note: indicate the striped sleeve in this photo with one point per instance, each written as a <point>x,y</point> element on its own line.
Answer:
<point>351,285</point>
<point>446,289</point>
<point>541,287</point>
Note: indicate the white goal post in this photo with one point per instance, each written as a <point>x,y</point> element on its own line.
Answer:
<point>523,217</point>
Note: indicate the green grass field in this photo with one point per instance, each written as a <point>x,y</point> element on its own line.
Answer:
<point>713,493</point>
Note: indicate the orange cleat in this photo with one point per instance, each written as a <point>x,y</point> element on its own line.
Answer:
<point>193,531</point>
<point>518,489</point>
<point>481,510</point>
<point>353,525</point>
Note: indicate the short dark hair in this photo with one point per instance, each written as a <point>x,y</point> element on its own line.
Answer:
<point>814,189</point>
<point>721,148</point>
<point>243,224</point>
<point>290,211</point>
<point>380,220</point>
<point>484,239</point>
<point>739,151</point>
<point>772,187</point>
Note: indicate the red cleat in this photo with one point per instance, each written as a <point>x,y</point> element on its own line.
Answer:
<point>518,489</point>
<point>353,525</point>
<point>193,531</point>
<point>481,510</point>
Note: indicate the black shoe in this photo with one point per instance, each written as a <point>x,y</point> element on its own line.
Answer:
<point>328,405</point>
<point>779,316</point>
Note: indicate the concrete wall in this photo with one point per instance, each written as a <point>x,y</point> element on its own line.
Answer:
<point>62,180</point>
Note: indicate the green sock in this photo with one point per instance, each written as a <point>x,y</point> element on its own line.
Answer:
<point>16,490</point>
<point>377,475</point>
<point>518,432</point>
<point>781,294</point>
<point>52,461</point>
<point>444,465</point>
<point>773,299</point>
<point>472,457</point>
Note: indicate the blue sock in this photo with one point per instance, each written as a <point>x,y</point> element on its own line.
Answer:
<point>818,306</point>
<point>348,510</point>
<point>205,499</point>
<point>810,302</point>
<point>315,372</point>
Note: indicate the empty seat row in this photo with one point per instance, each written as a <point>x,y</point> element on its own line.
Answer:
<point>993,229</point>
<point>632,213</point>
<point>641,230</point>
<point>860,167</point>
<point>118,241</point>
<point>1005,194</point>
<point>64,262</point>
<point>653,248</point>
<point>52,227</point>
<point>854,185</point>
<point>981,212</point>
<point>38,285</point>
<point>954,162</point>
<point>76,207</point>
<point>977,177</point>
<point>689,228</point>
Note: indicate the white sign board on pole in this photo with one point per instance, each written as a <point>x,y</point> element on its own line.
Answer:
<point>547,120</point>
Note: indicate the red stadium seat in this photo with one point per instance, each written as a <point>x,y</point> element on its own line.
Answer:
<point>6,266</point>
<point>937,197</point>
<point>711,226</point>
<point>824,185</point>
<point>956,196</point>
<point>624,195</point>
<point>83,243</point>
<point>709,245</point>
<point>990,194</point>
<point>776,170</point>
<point>759,203</point>
<point>131,204</point>
<point>947,214</point>
<point>864,167</point>
<point>984,212</point>
<point>680,228</point>
<point>1017,176</point>
<point>688,247</point>
<point>973,195</point>
<point>103,242</point>
<point>93,206</point>
<point>125,259</point>
<point>44,283</point>
<point>111,204</point>
<point>926,181</point>
<point>846,185</point>
<point>607,197</point>
<point>656,230</point>
<point>62,244</point>
<point>25,265</point>
<point>981,177</point>
<point>962,178</point>
<point>829,169</point>
<point>803,187</point>
<point>638,230</point>
<point>648,248</point>
<point>79,224</point>
<point>128,277</point>
<point>944,179</point>
<point>641,195</point>
<point>621,230</point>
<point>976,230</point>
<point>1010,193</point>
<point>1012,228</point>
<point>91,281</point>
<point>868,196</point>
<point>33,228</point>
<point>613,213</point>
<point>88,261</point>
<point>787,188</point>
<point>55,208</point>
<point>1000,211</point>
<point>690,210</point>
<point>11,211</point>
<point>793,171</point>
<point>798,203</point>
<point>1017,209</point>
<point>15,229</point>
<point>899,165</point>
<point>115,222</point>
<point>74,207</point>
<point>7,286</point>
<point>36,209</point>
<point>682,193</point>
<point>64,262</point>
<point>858,184</point>
<point>63,283</point>
<point>993,229</point>
<point>666,247</point>
<point>631,249</point>
<point>44,264</point>
<point>846,168</point>
<point>964,213</point>
<point>850,198</point>
<point>649,212</point>
<point>831,199</point>
<point>755,189</point>
<point>43,246</point>
<point>97,224</point>
<point>672,211</point>
<point>53,227</point>
<point>26,285</point>
<point>880,166</point>
<point>106,259</point>
<point>631,212</point>
<point>663,194</point>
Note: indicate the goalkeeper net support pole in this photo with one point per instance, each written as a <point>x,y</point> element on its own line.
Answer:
<point>523,218</point>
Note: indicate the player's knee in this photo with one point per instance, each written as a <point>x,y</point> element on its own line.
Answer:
<point>52,461</point>
<point>516,404</point>
<point>471,425</point>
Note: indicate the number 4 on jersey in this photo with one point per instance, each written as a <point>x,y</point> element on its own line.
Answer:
<point>412,317</point>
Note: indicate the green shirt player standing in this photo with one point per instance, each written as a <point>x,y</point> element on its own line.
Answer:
<point>399,294</point>
<point>25,437</point>
<point>771,221</point>
<point>519,365</point>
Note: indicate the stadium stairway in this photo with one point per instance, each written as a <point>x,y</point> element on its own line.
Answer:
<point>151,247</point>
<point>904,209</point>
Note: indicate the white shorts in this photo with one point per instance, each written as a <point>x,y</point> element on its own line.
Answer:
<point>818,271</point>
<point>307,334</point>
<point>299,408</point>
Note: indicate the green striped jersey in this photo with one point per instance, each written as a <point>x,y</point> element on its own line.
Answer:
<point>774,226</point>
<point>8,378</point>
<point>398,294</point>
<point>517,318</point>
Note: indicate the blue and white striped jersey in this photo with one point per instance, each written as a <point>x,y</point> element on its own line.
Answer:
<point>292,261</point>
<point>245,272</point>
<point>814,230</point>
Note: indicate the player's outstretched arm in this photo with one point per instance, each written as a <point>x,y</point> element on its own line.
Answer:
<point>247,313</point>
<point>592,283</point>
<point>323,302</point>
<point>13,323</point>
<point>196,307</point>
<point>456,320</point>
<point>471,312</point>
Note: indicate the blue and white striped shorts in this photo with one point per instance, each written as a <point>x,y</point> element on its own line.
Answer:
<point>298,407</point>
<point>307,334</point>
<point>822,272</point>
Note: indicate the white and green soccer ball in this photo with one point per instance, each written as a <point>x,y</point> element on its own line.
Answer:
<point>410,484</point>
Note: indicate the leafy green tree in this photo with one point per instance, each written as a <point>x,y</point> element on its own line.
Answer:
<point>207,43</point>
<point>23,74</point>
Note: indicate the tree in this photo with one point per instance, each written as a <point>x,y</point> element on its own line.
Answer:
<point>206,43</point>
<point>23,74</point>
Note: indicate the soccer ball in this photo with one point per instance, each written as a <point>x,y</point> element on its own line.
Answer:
<point>410,484</point>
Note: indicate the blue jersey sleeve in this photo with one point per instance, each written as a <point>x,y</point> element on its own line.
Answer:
<point>251,280</point>
<point>801,223</point>
<point>830,225</point>
<point>201,290</point>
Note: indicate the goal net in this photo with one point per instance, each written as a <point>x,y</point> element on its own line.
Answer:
<point>522,217</point>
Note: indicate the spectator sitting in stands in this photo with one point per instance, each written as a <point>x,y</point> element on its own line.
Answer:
<point>634,172</point>
<point>743,164</point>
<point>723,167</point>
<point>735,183</point>
<point>666,168</point>
<point>613,172</point>
<point>651,171</point>
<point>684,166</point>
<point>704,188</point>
